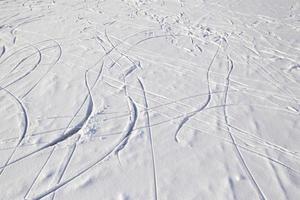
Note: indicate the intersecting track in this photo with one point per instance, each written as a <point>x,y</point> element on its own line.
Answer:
<point>238,152</point>
<point>25,127</point>
<point>148,127</point>
<point>125,134</point>
<point>206,103</point>
<point>98,74</point>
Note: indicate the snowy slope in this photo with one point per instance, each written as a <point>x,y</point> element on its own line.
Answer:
<point>149,99</point>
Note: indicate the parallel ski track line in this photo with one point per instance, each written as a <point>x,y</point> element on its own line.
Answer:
<point>80,126</point>
<point>48,70</point>
<point>65,136</point>
<point>25,128</point>
<point>238,152</point>
<point>169,119</point>
<point>28,72</point>
<point>38,174</point>
<point>273,168</point>
<point>186,118</point>
<point>148,125</point>
<point>128,129</point>
<point>76,128</point>
<point>252,136</point>
<point>89,7</point>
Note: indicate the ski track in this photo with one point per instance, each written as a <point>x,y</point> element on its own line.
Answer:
<point>73,76</point>
<point>71,150</point>
<point>128,129</point>
<point>238,152</point>
<point>186,118</point>
<point>25,128</point>
<point>148,125</point>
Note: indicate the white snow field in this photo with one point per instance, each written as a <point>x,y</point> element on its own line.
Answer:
<point>150,99</point>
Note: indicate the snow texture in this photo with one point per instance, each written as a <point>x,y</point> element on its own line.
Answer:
<point>149,99</point>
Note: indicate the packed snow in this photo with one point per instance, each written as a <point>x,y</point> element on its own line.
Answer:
<point>150,99</point>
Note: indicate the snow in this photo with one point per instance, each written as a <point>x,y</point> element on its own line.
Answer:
<point>149,99</point>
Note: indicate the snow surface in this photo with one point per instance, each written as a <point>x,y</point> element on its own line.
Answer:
<point>149,99</point>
